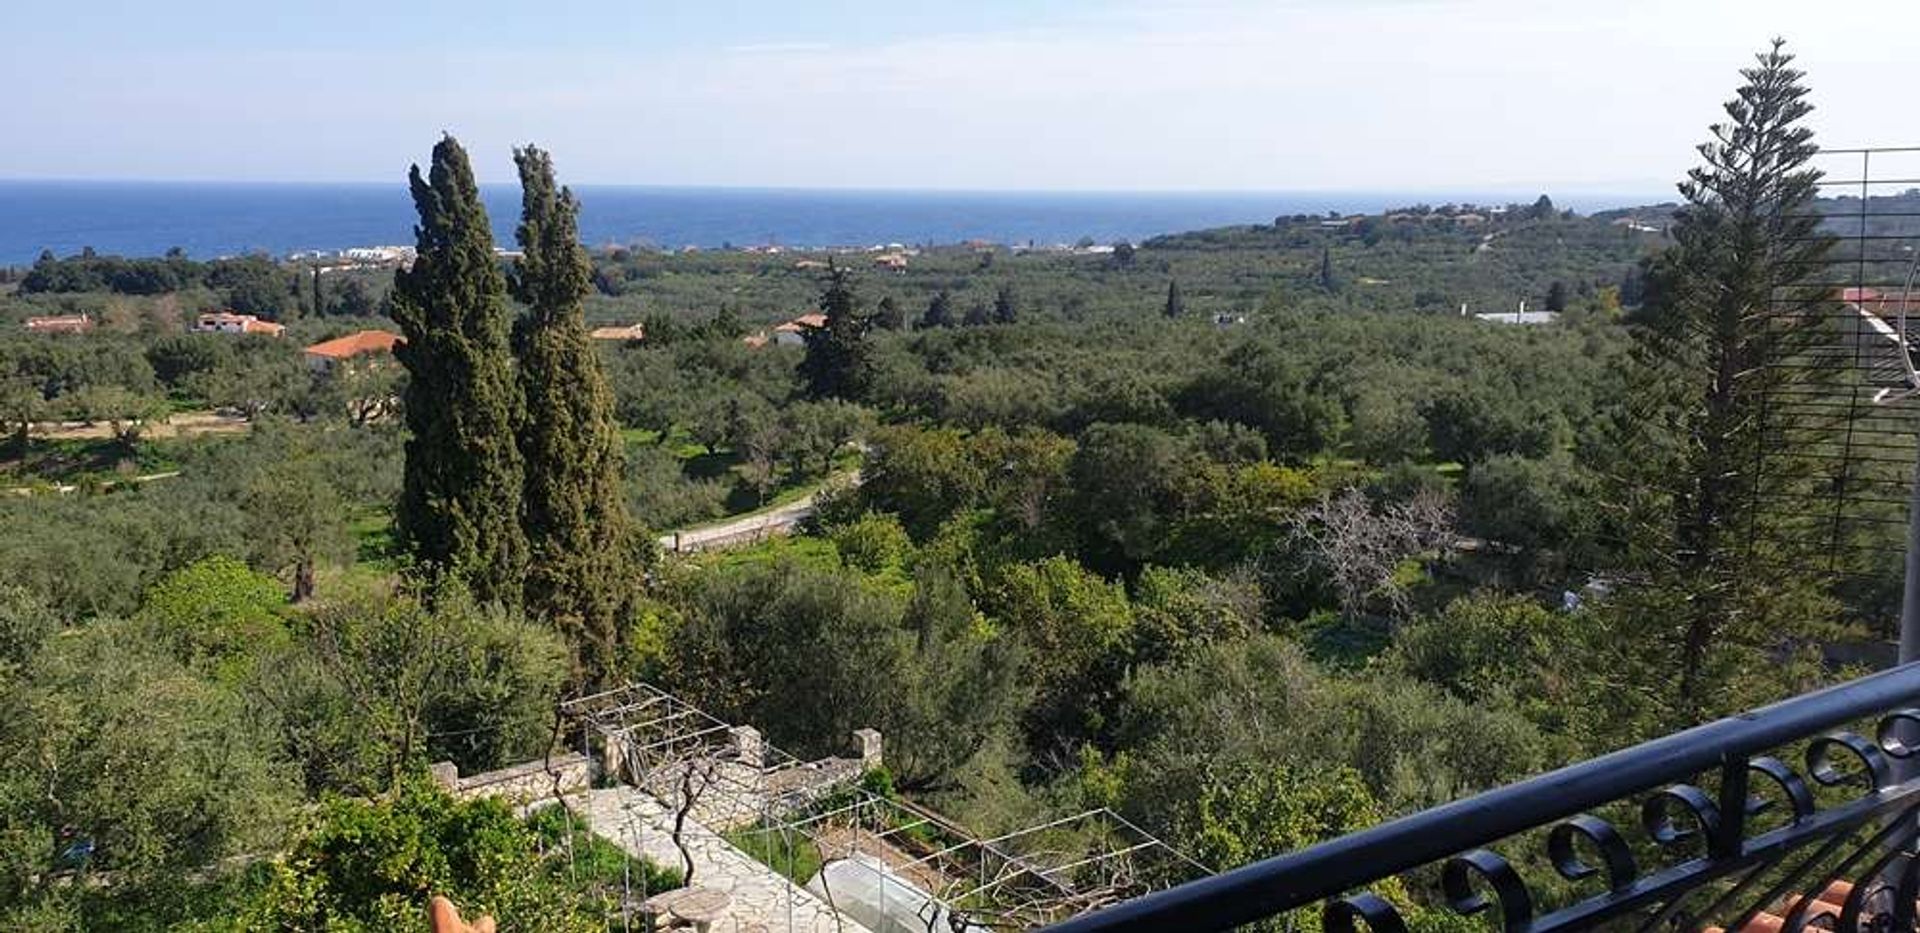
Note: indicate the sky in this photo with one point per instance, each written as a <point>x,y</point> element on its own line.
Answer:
<point>1215,95</point>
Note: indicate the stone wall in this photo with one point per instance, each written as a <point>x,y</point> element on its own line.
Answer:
<point>521,783</point>
<point>733,786</point>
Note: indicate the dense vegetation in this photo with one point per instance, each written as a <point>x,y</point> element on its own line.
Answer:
<point>1245,533</point>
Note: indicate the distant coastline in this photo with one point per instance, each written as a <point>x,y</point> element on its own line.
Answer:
<point>215,219</point>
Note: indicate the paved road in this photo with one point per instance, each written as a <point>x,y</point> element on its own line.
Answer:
<point>754,528</point>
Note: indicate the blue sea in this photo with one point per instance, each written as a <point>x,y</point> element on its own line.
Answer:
<point>209,220</point>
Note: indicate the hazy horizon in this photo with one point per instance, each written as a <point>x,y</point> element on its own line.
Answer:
<point>1457,193</point>
<point>1070,95</point>
<point>230,218</point>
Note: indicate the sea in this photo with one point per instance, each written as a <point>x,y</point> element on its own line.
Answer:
<point>210,220</point>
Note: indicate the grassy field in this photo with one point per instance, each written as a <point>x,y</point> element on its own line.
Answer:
<point>794,856</point>
<point>81,461</point>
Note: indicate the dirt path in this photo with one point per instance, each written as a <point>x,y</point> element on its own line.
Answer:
<point>753,528</point>
<point>184,424</point>
<point>63,489</point>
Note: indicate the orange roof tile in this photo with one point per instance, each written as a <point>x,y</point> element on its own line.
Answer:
<point>69,323</point>
<point>366,341</point>
<point>629,332</point>
<point>803,322</point>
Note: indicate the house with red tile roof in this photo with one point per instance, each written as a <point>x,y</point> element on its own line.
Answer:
<point>330,353</point>
<point>793,333</point>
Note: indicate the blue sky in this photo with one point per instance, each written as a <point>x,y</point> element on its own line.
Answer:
<point>1563,95</point>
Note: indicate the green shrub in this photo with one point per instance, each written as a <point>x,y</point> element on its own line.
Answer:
<point>373,865</point>
<point>874,542</point>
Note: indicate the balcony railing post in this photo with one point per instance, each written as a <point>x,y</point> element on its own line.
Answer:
<point>1904,769</point>
<point>1729,838</point>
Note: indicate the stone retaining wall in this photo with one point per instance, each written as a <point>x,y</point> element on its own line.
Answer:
<point>521,783</point>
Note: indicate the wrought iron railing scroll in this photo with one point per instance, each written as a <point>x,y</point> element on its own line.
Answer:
<point>1801,812</point>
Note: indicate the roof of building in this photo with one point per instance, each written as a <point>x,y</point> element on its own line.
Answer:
<point>803,322</point>
<point>1519,317</point>
<point>249,323</point>
<point>1882,303</point>
<point>355,344</point>
<point>629,332</point>
<point>1877,296</point>
<point>60,322</point>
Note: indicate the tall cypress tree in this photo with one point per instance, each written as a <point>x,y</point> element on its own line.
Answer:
<point>576,519</point>
<point>889,316</point>
<point>460,498</point>
<point>839,361</point>
<point>1176,305</point>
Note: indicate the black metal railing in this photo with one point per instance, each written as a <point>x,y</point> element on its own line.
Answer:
<point>1707,827</point>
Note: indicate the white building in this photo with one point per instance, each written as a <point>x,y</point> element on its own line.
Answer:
<point>227,322</point>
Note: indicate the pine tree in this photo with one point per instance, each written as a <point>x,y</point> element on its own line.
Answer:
<point>1730,594</point>
<point>939,312</point>
<point>889,316</point>
<point>1557,296</point>
<point>1005,309</point>
<point>575,518</point>
<point>460,498</point>
<point>1176,306</point>
<point>839,360</point>
<point>1633,286</point>
<point>724,325</point>
<point>1542,209</point>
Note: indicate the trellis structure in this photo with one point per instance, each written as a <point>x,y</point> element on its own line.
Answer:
<point>795,815</point>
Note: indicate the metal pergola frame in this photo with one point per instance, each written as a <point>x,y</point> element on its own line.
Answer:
<point>1010,881</point>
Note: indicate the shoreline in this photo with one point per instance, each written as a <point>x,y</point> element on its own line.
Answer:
<point>223,219</point>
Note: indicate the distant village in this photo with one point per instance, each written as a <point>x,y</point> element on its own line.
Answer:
<point>890,257</point>
<point>896,258</point>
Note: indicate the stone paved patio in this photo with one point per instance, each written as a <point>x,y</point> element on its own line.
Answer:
<point>760,895</point>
